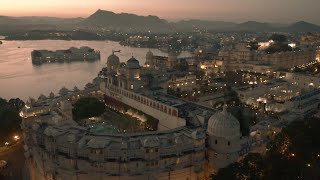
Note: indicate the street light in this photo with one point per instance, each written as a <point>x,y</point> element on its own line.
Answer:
<point>16,137</point>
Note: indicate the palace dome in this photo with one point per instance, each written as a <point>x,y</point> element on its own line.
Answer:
<point>133,63</point>
<point>224,124</point>
<point>113,60</point>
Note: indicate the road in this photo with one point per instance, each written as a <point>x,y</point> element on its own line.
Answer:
<point>16,162</point>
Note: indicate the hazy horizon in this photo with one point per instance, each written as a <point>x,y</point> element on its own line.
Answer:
<point>274,11</point>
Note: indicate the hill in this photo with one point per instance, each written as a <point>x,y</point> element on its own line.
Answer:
<point>18,24</point>
<point>303,26</point>
<point>254,26</point>
<point>105,21</point>
<point>125,22</point>
<point>188,25</point>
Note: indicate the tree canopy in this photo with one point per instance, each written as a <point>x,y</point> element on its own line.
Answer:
<point>253,45</point>
<point>293,154</point>
<point>183,66</point>
<point>279,45</point>
<point>88,107</point>
<point>278,38</point>
<point>9,117</point>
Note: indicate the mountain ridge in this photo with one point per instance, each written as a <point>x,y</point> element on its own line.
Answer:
<point>127,22</point>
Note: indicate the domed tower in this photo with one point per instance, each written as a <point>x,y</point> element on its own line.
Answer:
<point>133,71</point>
<point>133,63</point>
<point>224,139</point>
<point>149,59</point>
<point>113,63</point>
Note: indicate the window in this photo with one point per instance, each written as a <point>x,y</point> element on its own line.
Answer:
<point>216,141</point>
<point>131,86</point>
<point>96,151</point>
<point>229,143</point>
<point>174,112</point>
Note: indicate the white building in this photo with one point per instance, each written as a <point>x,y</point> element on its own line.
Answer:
<point>224,139</point>
<point>59,148</point>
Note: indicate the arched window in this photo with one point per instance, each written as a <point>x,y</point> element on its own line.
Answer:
<point>229,143</point>
<point>216,141</point>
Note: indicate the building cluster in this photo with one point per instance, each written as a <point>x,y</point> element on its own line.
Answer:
<point>242,57</point>
<point>193,138</point>
<point>191,142</point>
<point>68,55</point>
<point>312,40</point>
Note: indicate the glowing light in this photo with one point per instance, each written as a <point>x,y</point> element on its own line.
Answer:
<point>16,138</point>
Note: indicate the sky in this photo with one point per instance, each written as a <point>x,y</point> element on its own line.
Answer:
<point>228,10</point>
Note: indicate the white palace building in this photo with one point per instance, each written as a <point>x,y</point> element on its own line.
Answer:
<point>191,142</point>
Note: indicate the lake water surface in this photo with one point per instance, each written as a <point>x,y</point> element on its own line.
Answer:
<point>20,78</point>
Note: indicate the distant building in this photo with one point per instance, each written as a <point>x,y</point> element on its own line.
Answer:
<point>161,61</point>
<point>241,54</point>
<point>72,54</point>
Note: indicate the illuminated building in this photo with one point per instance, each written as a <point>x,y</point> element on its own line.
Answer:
<point>59,148</point>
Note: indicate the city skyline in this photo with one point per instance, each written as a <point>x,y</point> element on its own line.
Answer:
<point>230,10</point>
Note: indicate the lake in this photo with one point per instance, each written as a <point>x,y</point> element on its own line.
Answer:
<point>20,78</point>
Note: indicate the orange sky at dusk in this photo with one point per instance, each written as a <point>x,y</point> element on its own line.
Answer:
<point>230,10</point>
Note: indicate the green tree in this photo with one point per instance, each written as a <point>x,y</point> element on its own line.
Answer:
<point>279,45</point>
<point>183,66</point>
<point>251,168</point>
<point>253,45</point>
<point>293,154</point>
<point>9,117</point>
<point>88,107</point>
<point>278,38</point>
